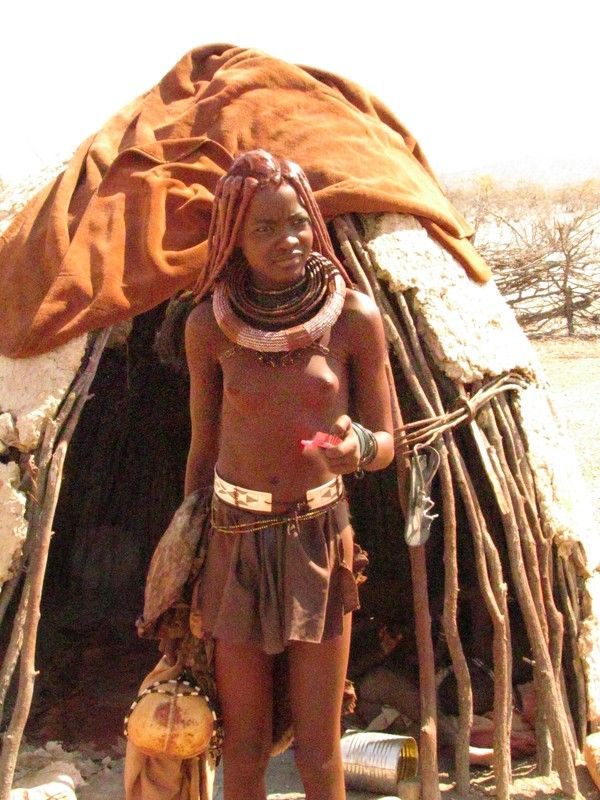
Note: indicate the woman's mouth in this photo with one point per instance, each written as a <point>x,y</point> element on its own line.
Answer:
<point>295,255</point>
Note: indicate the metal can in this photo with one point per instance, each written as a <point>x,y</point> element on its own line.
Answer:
<point>381,763</point>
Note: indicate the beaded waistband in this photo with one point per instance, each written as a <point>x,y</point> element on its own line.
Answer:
<point>253,500</point>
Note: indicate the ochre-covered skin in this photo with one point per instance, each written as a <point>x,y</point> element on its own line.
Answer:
<point>257,415</point>
<point>248,418</point>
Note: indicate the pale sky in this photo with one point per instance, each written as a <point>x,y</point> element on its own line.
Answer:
<point>477,82</point>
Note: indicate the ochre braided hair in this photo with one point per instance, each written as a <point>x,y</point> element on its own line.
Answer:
<point>250,172</point>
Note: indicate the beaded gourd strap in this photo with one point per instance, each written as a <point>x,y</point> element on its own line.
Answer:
<point>172,688</point>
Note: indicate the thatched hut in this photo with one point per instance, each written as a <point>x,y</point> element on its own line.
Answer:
<point>507,571</point>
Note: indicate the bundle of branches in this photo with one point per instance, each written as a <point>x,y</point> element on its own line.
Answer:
<point>490,461</point>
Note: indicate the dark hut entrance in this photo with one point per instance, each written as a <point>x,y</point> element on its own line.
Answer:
<point>122,482</point>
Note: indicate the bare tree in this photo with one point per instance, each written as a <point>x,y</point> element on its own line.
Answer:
<point>544,248</point>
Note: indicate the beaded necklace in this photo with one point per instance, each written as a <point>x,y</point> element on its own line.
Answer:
<point>274,298</point>
<point>290,320</point>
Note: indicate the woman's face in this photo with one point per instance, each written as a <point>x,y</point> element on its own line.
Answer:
<point>276,237</point>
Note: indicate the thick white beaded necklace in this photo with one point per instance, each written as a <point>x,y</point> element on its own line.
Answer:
<point>284,339</point>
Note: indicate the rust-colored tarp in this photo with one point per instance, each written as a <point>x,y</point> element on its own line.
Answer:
<point>124,226</point>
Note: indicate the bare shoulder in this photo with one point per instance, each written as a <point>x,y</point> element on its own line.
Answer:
<point>359,302</point>
<point>360,311</point>
<point>201,321</point>
<point>201,317</point>
<point>361,325</point>
<point>201,329</point>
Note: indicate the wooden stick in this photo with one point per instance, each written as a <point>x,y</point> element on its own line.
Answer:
<point>351,260</point>
<point>459,662</point>
<point>573,632</point>
<point>573,593</point>
<point>510,463</point>
<point>450,613</point>
<point>395,334</point>
<point>549,696</point>
<point>16,640</point>
<point>428,732</point>
<point>8,589</point>
<point>355,239</point>
<point>451,588</point>
<point>514,506</point>
<point>527,542</point>
<point>429,400</point>
<point>543,543</point>
<point>523,467</point>
<point>493,589</point>
<point>35,580</point>
<point>356,271</point>
<point>427,689</point>
<point>534,570</point>
<point>571,582</point>
<point>11,656</point>
<point>516,454</point>
<point>24,633</point>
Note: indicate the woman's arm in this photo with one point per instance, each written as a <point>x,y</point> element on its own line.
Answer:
<point>369,388</point>
<point>205,397</point>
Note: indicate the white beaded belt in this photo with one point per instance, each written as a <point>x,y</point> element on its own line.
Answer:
<point>254,500</point>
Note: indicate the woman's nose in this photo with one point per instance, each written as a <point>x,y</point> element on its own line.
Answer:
<point>289,237</point>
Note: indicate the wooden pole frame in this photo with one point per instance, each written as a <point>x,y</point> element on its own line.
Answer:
<point>43,500</point>
<point>498,440</point>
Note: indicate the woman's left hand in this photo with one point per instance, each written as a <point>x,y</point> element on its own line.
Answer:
<point>343,458</point>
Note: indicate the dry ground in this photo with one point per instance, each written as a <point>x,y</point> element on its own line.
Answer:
<point>572,368</point>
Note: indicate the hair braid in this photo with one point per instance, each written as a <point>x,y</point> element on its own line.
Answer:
<point>225,213</point>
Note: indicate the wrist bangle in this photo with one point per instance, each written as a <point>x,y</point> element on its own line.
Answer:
<point>367,444</point>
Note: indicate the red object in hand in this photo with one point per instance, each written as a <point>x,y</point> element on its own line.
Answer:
<point>321,439</point>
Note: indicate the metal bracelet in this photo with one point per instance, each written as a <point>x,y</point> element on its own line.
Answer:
<point>367,443</point>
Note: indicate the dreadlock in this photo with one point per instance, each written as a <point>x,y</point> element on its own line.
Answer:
<point>250,172</point>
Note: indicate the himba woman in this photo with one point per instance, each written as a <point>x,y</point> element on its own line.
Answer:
<point>283,350</point>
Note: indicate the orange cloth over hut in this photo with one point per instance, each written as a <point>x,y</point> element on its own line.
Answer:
<point>124,226</point>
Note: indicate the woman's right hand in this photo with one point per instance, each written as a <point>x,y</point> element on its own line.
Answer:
<point>343,458</point>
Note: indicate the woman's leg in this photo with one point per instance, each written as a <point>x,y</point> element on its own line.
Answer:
<point>244,684</point>
<point>317,676</point>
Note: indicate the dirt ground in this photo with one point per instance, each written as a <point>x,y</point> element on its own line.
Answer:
<point>572,368</point>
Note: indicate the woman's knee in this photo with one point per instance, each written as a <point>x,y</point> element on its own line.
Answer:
<point>317,761</point>
<point>247,757</point>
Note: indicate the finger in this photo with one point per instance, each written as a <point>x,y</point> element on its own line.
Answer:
<point>337,451</point>
<point>347,447</point>
<point>342,426</point>
<point>346,451</point>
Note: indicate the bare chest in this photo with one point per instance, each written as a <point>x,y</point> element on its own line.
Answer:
<point>312,381</point>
